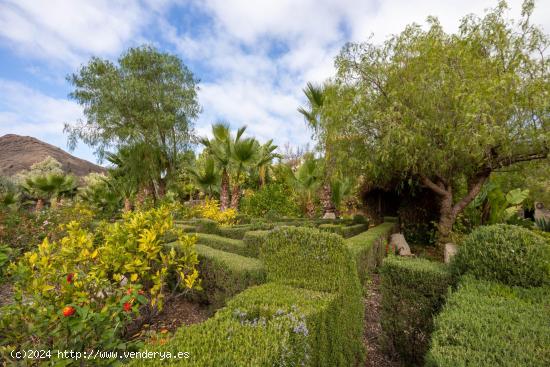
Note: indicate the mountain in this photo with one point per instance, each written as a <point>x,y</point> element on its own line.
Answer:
<point>20,152</point>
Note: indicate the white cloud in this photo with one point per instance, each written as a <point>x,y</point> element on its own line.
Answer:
<point>69,31</point>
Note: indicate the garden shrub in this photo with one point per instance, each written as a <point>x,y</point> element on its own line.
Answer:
<point>368,248</point>
<point>360,219</point>
<point>504,253</point>
<point>310,259</point>
<point>490,324</point>
<point>69,293</point>
<point>224,274</point>
<point>413,291</point>
<point>253,240</point>
<point>267,325</point>
<point>273,200</point>
<point>353,230</point>
<point>210,209</point>
<point>222,243</point>
<point>331,228</point>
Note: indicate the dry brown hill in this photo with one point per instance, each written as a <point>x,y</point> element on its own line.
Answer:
<point>20,152</point>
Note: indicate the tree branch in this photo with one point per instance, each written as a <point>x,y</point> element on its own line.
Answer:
<point>438,189</point>
<point>474,187</point>
<point>507,161</point>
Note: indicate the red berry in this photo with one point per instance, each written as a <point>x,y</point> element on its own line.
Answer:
<point>68,311</point>
<point>70,277</point>
<point>127,306</point>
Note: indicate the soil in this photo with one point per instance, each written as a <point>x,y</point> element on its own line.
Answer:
<point>176,313</point>
<point>376,355</point>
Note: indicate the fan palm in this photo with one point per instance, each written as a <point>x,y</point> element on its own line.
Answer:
<point>306,181</point>
<point>340,188</point>
<point>48,187</point>
<point>267,155</point>
<point>313,114</point>
<point>220,148</point>
<point>206,178</point>
<point>244,153</point>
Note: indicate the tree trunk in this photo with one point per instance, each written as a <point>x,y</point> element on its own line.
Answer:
<point>127,205</point>
<point>326,199</point>
<point>261,173</point>
<point>39,205</point>
<point>450,210</point>
<point>224,192</point>
<point>235,197</point>
<point>310,208</point>
<point>161,188</point>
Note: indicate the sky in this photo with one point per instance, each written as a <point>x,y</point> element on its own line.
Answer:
<point>252,57</point>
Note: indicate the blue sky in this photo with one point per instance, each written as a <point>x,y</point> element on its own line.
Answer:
<point>253,57</point>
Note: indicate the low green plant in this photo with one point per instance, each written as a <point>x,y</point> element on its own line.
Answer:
<point>489,324</point>
<point>413,291</point>
<point>508,254</point>
<point>253,240</point>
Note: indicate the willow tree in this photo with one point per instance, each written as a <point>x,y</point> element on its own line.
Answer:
<point>449,109</point>
<point>148,98</point>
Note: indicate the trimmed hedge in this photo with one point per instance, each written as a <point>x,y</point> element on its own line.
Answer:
<point>413,291</point>
<point>310,259</point>
<point>253,240</point>
<point>368,248</point>
<point>222,243</point>
<point>490,324</point>
<point>235,232</point>
<point>268,325</point>
<point>203,225</point>
<point>224,274</point>
<point>504,253</point>
<point>344,231</point>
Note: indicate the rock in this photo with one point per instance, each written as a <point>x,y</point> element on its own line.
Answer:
<point>450,251</point>
<point>397,241</point>
<point>329,215</point>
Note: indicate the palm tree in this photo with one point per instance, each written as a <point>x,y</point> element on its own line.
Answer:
<point>313,114</point>
<point>244,153</point>
<point>306,181</point>
<point>48,187</point>
<point>220,148</point>
<point>267,156</point>
<point>206,178</point>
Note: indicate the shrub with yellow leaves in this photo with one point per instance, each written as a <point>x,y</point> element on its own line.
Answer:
<point>79,293</point>
<point>210,209</point>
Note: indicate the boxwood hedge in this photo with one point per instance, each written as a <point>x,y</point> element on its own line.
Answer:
<point>413,291</point>
<point>504,253</point>
<point>368,248</point>
<point>253,240</point>
<point>490,324</point>
<point>310,259</point>
<point>222,243</point>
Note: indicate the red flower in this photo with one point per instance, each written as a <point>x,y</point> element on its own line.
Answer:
<point>70,277</point>
<point>127,306</point>
<point>129,291</point>
<point>141,292</point>
<point>68,311</point>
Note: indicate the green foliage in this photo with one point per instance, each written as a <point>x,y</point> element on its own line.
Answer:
<point>508,254</point>
<point>543,224</point>
<point>7,254</point>
<point>272,199</point>
<point>413,290</point>
<point>369,249</point>
<point>236,232</point>
<point>360,219</point>
<point>490,324</point>
<point>343,230</point>
<point>224,274</point>
<point>253,240</point>
<point>205,225</point>
<point>222,243</point>
<point>307,258</point>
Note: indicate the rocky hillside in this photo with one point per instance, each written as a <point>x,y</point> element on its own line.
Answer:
<point>20,152</point>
